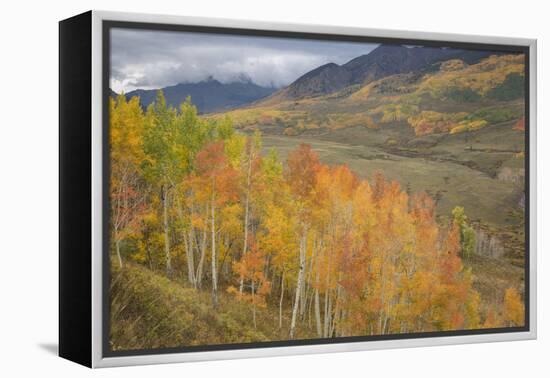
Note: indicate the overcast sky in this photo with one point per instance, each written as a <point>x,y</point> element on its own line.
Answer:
<point>155,59</point>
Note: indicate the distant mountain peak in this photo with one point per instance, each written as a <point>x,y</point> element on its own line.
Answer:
<point>327,78</point>
<point>208,95</point>
<point>384,60</point>
<point>243,78</point>
<point>388,47</point>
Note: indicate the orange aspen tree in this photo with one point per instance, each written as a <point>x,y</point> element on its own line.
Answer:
<point>303,164</point>
<point>219,181</point>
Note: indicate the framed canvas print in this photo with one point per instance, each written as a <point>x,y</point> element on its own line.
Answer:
<point>237,189</point>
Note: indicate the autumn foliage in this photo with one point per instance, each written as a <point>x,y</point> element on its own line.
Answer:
<point>520,124</point>
<point>324,249</point>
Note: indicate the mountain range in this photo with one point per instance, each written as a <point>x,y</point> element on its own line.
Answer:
<point>432,90</point>
<point>208,95</point>
<point>383,61</point>
<point>212,96</point>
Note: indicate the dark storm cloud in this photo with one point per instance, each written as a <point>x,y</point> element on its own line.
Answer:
<point>155,59</point>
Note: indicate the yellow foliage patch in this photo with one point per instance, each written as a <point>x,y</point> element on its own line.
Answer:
<point>481,77</point>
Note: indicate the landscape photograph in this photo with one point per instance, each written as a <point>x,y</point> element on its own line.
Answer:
<point>266,189</point>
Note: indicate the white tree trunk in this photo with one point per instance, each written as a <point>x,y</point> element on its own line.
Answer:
<point>117,244</point>
<point>246,212</point>
<point>303,295</point>
<point>299,284</point>
<point>188,243</point>
<point>281,300</point>
<point>245,240</point>
<point>191,258</point>
<point>198,275</point>
<point>213,244</point>
<point>307,283</point>
<point>328,309</point>
<point>166,235</point>
<point>318,314</point>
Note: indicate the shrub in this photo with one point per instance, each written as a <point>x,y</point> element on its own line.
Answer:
<point>513,87</point>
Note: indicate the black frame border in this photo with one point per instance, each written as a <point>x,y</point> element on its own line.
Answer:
<point>75,188</point>
<point>107,25</point>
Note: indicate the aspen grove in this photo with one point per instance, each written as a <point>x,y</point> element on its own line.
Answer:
<point>327,253</point>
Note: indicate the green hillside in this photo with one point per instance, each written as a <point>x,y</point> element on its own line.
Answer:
<point>150,311</point>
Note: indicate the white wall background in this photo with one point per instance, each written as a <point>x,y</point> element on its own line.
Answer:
<point>28,189</point>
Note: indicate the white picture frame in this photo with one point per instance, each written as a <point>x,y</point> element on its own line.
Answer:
<point>98,357</point>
